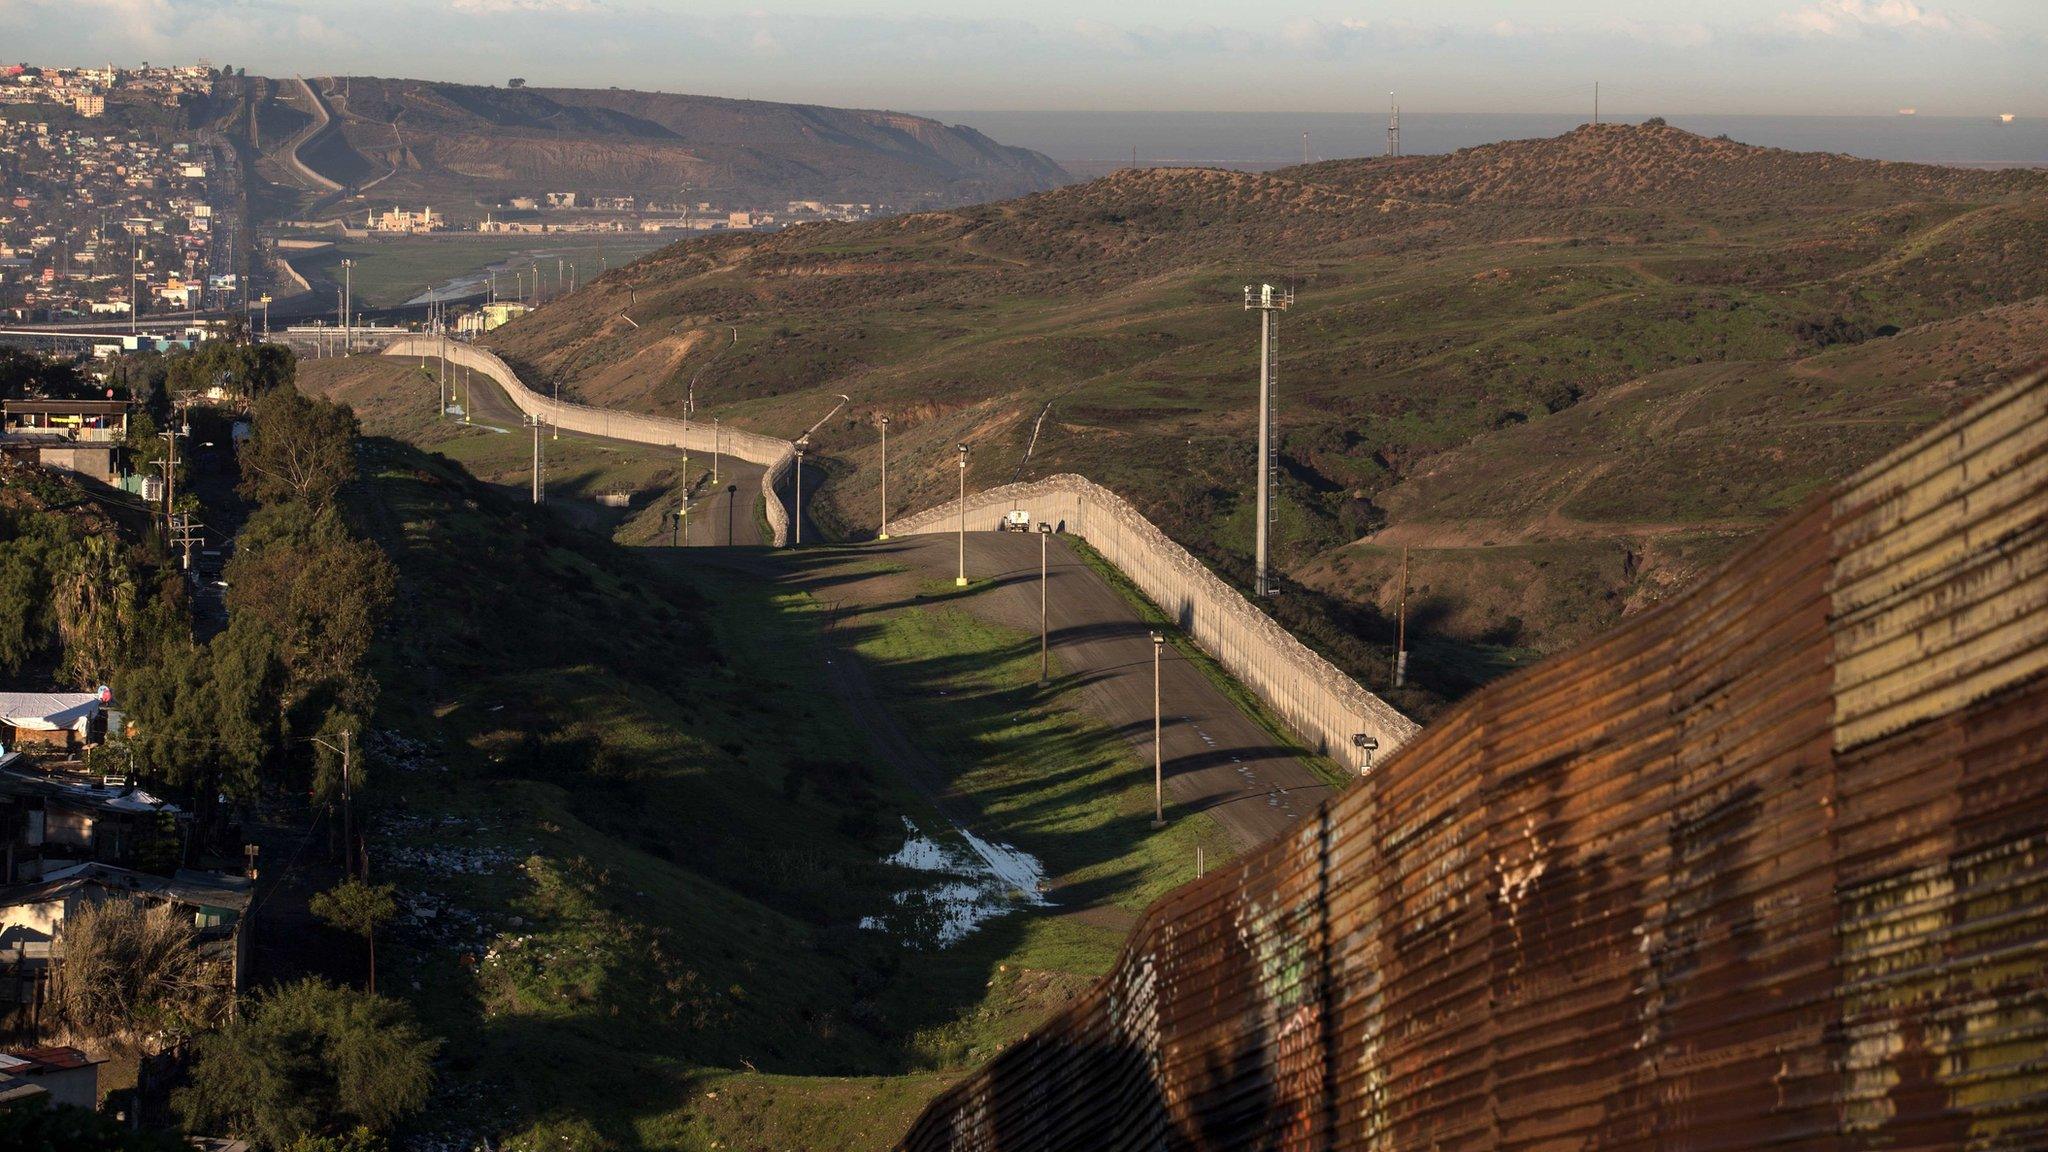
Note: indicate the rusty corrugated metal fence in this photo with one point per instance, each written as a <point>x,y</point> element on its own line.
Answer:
<point>1766,867</point>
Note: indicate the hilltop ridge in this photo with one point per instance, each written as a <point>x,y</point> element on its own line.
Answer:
<point>421,139</point>
<point>1653,163</point>
<point>1098,328</point>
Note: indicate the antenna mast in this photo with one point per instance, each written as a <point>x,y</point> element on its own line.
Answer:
<point>1268,302</point>
<point>1393,126</point>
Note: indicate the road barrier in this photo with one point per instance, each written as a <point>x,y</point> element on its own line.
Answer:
<point>1767,866</point>
<point>1323,705</point>
<point>777,456</point>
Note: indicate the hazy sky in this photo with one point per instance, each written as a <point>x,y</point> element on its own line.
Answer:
<point>1963,57</point>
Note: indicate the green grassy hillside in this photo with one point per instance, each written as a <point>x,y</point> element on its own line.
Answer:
<point>1443,302</point>
<point>637,833</point>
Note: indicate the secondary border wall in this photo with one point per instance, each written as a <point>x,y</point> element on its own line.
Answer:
<point>1765,867</point>
<point>777,455</point>
<point>1323,705</point>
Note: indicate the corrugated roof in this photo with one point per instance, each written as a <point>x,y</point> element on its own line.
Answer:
<point>48,711</point>
<point>210,889</point>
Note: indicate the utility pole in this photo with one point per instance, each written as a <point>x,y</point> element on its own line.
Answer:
<point>346,750</point>
<point>802,443</point>
<point>1268,303</point>
<point>884,534</point>
<point>134,292</point>
<point>535,421</point>
<point>184,534</point>
<point>961,580</point>
<point>468,393</point>
<point>1401,626</point>
<point>1158,756</point>
<point>170,467</point>
<point>1044,649</point>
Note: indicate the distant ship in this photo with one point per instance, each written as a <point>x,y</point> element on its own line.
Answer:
<point>2005,117</point>
<point>1909,111</point>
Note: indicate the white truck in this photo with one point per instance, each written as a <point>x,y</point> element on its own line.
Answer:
<point>1017,520</point>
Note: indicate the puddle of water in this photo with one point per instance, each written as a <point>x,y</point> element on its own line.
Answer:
<point>988,881</point>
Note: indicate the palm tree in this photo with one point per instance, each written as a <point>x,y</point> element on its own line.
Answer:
<point>95,610</point>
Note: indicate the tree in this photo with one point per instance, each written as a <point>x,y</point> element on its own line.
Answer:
<point>30,374</point>
<point>206,715</point>
<point>242,370</point>
<point>96,611</point>
<point>354,906</point>
<point>300,448</point>
<point>321,591</point>
<point>309,1060</point>
<point>33,546</point>
<point>134,969</point>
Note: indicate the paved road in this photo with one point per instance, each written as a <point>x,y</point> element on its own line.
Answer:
<point>1217,759</point>
<point>726,514</point>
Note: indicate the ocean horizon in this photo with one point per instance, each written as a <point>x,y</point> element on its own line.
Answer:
<point>1091,143</point>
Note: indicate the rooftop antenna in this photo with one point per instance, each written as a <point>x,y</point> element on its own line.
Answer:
<point>1268,302</point>
<point>1393,126</point>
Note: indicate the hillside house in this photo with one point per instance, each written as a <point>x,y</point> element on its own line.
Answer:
<point>60,721</point>
<point>32,917</point>
<point>66,1076</point>
<point>80,436</point>
<point>52,820</point>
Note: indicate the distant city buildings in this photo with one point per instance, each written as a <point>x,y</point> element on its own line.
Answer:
<point>574,212</point>
<point>399,220</point>
<point>91,218</point>
<point>492,315</point>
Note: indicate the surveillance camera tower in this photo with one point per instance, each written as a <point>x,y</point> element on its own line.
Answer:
<point>1268,302</point>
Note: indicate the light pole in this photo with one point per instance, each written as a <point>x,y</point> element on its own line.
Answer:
<point>961,580</point>
<point>801,444</point>
<point>1158,757</point>
<point>1366,746</point>
<point>884,534</point>
<point>536,422</point>
<point>1268,303</point>
<point>715,446</point>
<point>1044,649</point>
<point>555,412</point>
<point>347,824</point>
<point>348,304</point>
<point>265,301</point>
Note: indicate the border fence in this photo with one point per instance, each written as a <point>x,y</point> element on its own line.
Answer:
<point>1766,867</point>
<point>777,455</point>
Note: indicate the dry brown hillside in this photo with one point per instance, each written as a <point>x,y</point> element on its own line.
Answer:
<point>1656,164</point>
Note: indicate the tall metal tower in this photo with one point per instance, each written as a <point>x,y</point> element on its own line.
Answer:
<point>1393,126</point>
<point>1268,302</point>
